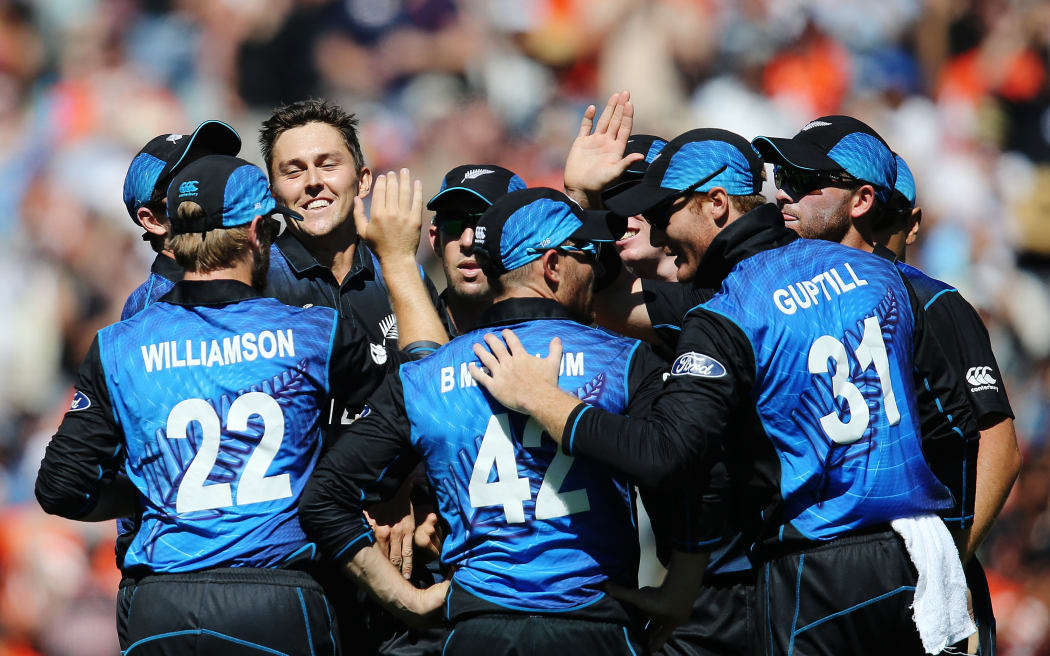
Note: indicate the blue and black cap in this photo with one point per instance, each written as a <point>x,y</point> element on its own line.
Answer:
<point>698,160</point>
<point>472,188</point>
<point>833,144</point>
<point>646,144</point>
<point>903,196</point>
<point>231,191</point>
<point>522,225</point>
<point>153,167</point>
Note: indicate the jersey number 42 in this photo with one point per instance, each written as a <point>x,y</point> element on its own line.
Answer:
<point>510,490</point>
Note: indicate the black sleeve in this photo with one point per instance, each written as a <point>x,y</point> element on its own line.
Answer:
<point>87,451</point>
<point>683,433</point>
<point>949,431</point>
<point>668,303</point>
<point>964,338</point>
<point>366,465</point>
<point>357,366</point>
<point>685,516</point>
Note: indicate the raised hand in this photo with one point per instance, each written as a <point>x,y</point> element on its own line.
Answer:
<point>396,221</point>
<point>596,158</point>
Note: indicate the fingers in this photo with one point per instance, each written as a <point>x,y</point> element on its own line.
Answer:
<point>417,202</point>
<point>554,352</point>
<point>588,121</point>
<point>513,342</point>
<point>496,345</point>
<point>607,113</point>
<point>407,544</point>
<point>379,195</point>
<point>360,218</point>
<point>487,358</point>
<point>616,120</point>
<point>404,188</point>
<point>622,165</point>
<point>623,132</point>
<point>382,534</point>
<point>391,190</point>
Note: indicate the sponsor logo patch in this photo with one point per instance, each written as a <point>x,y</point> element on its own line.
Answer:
<point>697,364</point>
<point>80,402</point>
<point>188,188</point>
<point>980,378</point>
<point>479,235</point>
<point>173,138</point>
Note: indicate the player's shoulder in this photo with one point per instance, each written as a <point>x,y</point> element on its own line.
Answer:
<point>928,289</point>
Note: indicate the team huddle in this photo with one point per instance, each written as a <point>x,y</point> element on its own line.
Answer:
<point>308,450</point>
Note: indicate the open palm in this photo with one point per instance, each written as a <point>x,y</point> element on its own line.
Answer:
<point>596,158</point>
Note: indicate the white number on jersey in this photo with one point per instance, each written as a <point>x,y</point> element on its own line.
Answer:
<point>254,485</point>
<point>509,490</point>
<point>872,349</point>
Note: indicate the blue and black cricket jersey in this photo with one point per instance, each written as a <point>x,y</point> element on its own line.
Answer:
<point>530,529</point>
<point>961,334</point>
<point>213,401</point>
<point>296,277</point>
<point>802,366</point>
<point>163,275</point>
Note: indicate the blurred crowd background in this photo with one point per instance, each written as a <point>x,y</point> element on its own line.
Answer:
<point>961,88</point>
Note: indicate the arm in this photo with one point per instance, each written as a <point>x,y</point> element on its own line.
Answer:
<point>393,234</point>
<point>419,608</point>
<point>77,476</point>
<point>998,464</point>
<point>596,159</point>
<point>649,310</point>
<point>687,421</point>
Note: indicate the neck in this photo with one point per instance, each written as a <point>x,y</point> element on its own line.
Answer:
<point>530,289</point>
<point>854,239</point>
<point>241,272</point>
<point>464,312</point>
<point>168,253</point>
<point>334,250</point>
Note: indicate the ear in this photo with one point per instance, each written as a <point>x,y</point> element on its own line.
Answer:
<point>435,243</point>
<point>151,223</point>
<point>863,200</point>
<point>253,232</point>
<point>913,227</point>
<point>364,181</point>
<point>552,264</point>
<point>718,204</point>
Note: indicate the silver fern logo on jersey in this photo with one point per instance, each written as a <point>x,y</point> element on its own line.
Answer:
<point>388,327</point>
<point>476,173</point>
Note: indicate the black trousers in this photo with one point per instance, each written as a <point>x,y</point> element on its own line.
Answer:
<point>851,595</point>
<point>723,620</point>
<point>229,611</point>
<point>525,635</point>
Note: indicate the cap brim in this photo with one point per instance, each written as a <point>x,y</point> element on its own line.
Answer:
<point>458,198</point>
<point>600,226</point>
<point>639,198</point>
<point>281,209</point>
<point>795,153</point>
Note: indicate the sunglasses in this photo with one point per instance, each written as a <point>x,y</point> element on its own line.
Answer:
<point>803,182</point>
<point>454,225</point>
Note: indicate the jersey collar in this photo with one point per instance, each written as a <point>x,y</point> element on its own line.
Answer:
<point>166,267</point>
<point>761,229</point>
<point>209,292</point>
<point>302,260</point>
<point>517,310</point>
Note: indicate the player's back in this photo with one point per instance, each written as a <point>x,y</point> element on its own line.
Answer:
<point>220,407</point>
<point>831,329</point>
<point>532,528</point>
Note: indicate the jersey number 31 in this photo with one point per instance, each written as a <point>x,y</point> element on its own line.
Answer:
<point>254,485</point>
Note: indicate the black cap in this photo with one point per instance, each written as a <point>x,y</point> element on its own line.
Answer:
<point>646,144</point>
<point>521,225</point>
<point>472,188</point>
<point>161,158</point>
<point>836,143</point>
<point>231,191</point>
<point>698,160</point>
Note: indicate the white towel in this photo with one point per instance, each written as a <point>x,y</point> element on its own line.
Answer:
<point>939,609</point>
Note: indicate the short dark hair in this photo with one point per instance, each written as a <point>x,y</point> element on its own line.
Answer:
<point>745,204</point>
<point>314,110</point>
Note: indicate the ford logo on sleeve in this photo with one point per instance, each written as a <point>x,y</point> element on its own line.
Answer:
<point>80,402</point>
<point>697,364</point>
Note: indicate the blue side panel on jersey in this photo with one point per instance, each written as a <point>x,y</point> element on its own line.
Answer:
<point>926,288</point>
<point>829,487</point>
<point>169,354</point>
<point>145,295</point>
<point>525,550</point>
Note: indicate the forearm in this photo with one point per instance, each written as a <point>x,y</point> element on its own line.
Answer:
<point>117,499</point>
<point>551,406</point>
<point>417,318</point>
<point>998,464</point>
<point>372,571</point>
